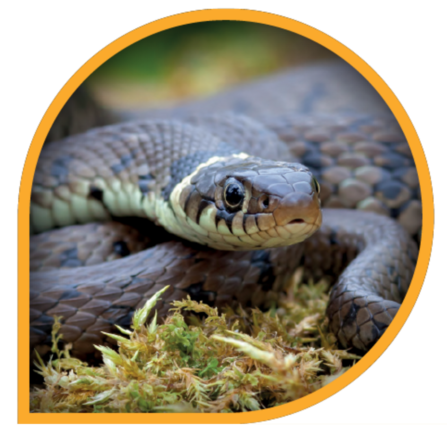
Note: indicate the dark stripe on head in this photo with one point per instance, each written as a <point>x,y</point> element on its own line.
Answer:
<point>227,217</point>
<point>203,204</point>
<point>192,205</point>
<point>244,222</point>
<point>187,199</point>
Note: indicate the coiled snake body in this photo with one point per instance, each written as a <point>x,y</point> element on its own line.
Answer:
<point>209,172</point>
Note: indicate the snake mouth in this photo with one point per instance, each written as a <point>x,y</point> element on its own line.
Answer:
<point>299,227</point>
<point>303,228</point>
<point>296,221</point>
<point>299,214</point>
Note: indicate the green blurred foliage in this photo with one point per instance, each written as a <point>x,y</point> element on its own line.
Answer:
<point>198,59</point>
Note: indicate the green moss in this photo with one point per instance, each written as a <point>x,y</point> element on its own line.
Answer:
<point>220,362</point>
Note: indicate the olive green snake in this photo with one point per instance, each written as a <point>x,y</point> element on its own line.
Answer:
<point>227,191</point>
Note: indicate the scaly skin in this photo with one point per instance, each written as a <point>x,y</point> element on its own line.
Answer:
<point>361,162</point>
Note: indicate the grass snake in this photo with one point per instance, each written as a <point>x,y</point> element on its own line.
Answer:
<point>227,192</point>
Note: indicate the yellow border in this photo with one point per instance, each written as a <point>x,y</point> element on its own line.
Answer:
<point>24,205</point>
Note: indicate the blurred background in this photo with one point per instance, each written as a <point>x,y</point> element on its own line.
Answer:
<point>197,60</point>
<point>186,62</point>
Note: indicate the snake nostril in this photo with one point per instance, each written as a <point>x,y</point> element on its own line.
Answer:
<point>265,202</point>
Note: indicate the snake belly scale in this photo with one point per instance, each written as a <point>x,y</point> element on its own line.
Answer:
<point>239,195</point>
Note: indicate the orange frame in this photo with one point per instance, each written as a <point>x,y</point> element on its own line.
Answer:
<point>24,415</point>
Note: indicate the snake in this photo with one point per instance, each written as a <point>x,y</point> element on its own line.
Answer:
<point>223,198</point>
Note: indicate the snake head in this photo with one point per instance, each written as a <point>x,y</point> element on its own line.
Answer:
<point>240,202</point>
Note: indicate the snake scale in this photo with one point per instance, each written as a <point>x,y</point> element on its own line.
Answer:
<point>227,191</point>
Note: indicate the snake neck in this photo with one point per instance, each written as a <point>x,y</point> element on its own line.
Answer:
<point>178,176</point>
<point>120,170</point>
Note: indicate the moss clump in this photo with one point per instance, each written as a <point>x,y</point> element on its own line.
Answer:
<point>207,362</point>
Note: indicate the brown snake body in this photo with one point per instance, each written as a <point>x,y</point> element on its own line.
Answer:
<point>324,116</point>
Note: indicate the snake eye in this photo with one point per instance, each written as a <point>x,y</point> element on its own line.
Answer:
<point>234,194</point>
<point>317,186</point>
